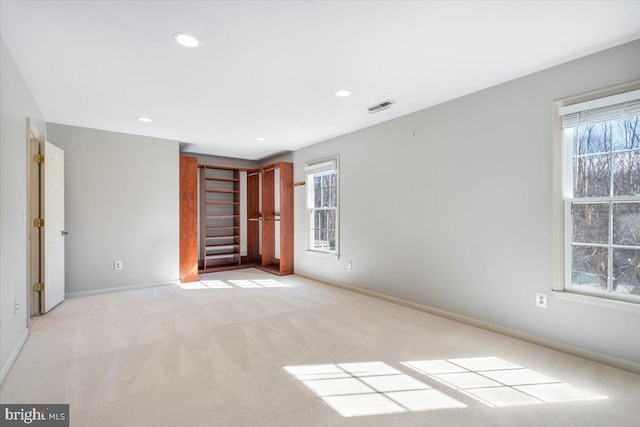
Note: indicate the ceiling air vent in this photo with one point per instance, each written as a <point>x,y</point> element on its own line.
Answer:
<point>382,106</point>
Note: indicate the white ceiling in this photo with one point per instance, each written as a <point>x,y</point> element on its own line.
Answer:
<point>270,69</point>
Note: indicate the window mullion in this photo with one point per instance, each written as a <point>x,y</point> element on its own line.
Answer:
<point>610,250</point>
<point>611,187</point>
<point>611,168</point>
<point>568,249</point>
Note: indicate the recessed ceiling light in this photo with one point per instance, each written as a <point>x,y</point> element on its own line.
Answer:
<point>342,93</point>
<point>144,119</point>
<point>260,138</point>
<point>186,40</point>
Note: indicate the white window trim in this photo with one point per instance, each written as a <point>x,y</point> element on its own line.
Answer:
<point>560,252</point>
<point>309,167</point>
<point>614,304</point>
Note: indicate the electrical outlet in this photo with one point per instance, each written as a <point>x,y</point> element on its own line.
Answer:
<point>243,250</point>
<point>349,263</point>
<point>16,306</point>
<point>541,299</point>
<point>117,265</point>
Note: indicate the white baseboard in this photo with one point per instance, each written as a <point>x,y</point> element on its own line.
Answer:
<point>120,289</point>
<point>14,354</point>
<point>554,345</point>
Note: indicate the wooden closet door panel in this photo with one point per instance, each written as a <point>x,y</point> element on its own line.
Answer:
<point>286,218</point>
<point>253,215</point>
<point>188,219</point>
<point>268,216</point>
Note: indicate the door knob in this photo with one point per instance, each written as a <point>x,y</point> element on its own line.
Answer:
<point>64,233</point>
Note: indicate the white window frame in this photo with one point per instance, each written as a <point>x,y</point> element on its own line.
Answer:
<point>563,196</point>
<point>312,168</point>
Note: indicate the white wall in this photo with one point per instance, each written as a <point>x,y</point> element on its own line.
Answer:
<point>451,207</point>
<point>16,104</point>
<point>122,195</point>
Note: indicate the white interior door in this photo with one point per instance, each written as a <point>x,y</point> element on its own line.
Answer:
<point>53,226</point>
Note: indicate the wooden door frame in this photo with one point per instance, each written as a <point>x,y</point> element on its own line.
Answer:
<point>33,245</point>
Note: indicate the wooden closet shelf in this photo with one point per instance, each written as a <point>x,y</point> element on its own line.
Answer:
<point>223,191</point>
<point>223,237</point>
<point>223,216</point>
<point>220,256</point>
<point>222,246</point>
<point>221,227</point>
<point>222,203</point>
<point>210,178</point>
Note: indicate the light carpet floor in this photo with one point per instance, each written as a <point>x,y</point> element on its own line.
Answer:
<point>246,348</point>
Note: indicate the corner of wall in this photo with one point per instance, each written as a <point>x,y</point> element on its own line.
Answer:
<point>16,106</point>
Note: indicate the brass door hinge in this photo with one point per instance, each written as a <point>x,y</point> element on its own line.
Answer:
<point>38,222</point>
<point>38,287</point>
<point>38,158</point>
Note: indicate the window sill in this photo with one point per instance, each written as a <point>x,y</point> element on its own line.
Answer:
<point>323,254</point>
<point>600,302</point>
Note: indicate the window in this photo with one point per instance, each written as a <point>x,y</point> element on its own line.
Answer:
<point>322,206</point>
<point>601,192</point>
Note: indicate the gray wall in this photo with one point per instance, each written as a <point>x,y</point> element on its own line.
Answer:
<point>451,207</point>
<point>121,203</point>
<point>16,104</point>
